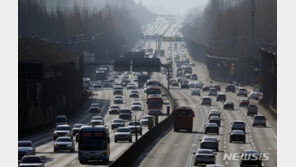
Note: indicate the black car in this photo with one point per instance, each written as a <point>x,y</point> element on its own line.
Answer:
<point>221,97</point>
<point>210,143</point>
<point>206,101</point>
<point>114,110</point>
<point>230,88</point>
<point>204,156</point>
<point>237,135</point>
<point>252,110</point>
<point>94,107</point>
<point>228,105</point>
<point>251,158</point>
<point>212,128</point>
<point>125,114</point>
<point>31,160</point>
<point>259,121</point>
<point>184,86</point>
<point>238,125</point>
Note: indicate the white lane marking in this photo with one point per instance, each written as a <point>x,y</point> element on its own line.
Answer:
<point>73,162</point>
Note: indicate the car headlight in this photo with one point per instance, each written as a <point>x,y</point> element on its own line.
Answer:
<point>104,154</point>
<point>55,133</point>
<point>55,145</point>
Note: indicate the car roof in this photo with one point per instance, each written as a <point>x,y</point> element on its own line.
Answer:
<point>250,151</point>
<point>214,117</point>
<point>206,97</point>
<point>221,94</point>
<point>208,138</point>
<point>25,141</point>
<point>63,125</point>
<point>212,125</point>
<point>183,108</point>
<point>238,121</point>
<point>229,102</point>
<point>214,111</point>
<point>94,103</point>
<point>64,137</point>
<point>122,128</point>
<point>204,150</point>
<point>238,132</point>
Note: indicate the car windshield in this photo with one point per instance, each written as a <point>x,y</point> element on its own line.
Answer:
<point>31,160</point>
<point>61,119</point>
<point>134,92</point>
<point>205,152</point>
<point>136,103</point>
<point>77,126</point>
<point>24,144</point>
<point>134,123</point>
<point>206,99</point>
<point>125,111</point>
<point>114,107</point>
<point>118,121</point>
<point>94,104</point>
<point>63,128</point>
<point>64,139</point>
<point>123,130</point>
<point>260,118</point>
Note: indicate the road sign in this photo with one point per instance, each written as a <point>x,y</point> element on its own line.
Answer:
<point>122,64</point>
<point>146,64</point>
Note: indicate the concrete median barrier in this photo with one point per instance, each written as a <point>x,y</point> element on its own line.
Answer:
<point>132,154</point>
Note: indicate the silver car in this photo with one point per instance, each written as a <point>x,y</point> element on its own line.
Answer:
<point>64,143</point>
<point>117,123</point>
<point>204,156</point>
<point>135,127</point>
<point>25,147</point>
<point>61,130</point>
<point>209,143</point>
<point>213,92</point>
<point>259,121</point>
<point>123,133</point>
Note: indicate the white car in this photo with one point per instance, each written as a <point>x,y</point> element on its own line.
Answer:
<point>98,117</point>
<point>131,86</point>
<point>118,99</point>
<point>135,126</point>
<point>136,106</point>
<point>64,143</point>
<point>254,95</point>
<point>145,120</point>
<point>123,133</point>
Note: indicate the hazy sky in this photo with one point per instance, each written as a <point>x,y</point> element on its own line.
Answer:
<point>173,6</point>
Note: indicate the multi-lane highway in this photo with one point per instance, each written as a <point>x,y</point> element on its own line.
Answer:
<point>175,148</point>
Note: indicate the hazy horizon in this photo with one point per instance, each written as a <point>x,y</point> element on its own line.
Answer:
<point>178,7</point>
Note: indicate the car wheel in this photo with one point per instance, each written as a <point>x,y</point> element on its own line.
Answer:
<point>55,150</point>
<point>244,141</point>
<point>230,141</point>
<point>82,161</point>
<point>141,133</point>
<point>115,141</point>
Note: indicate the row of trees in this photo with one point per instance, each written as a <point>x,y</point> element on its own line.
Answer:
<point>225,28</point>
<point>114,25</point>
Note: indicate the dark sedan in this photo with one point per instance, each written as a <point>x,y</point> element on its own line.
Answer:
<point>212,128</point>
<point>237,135</point>
<point>228,105</point>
